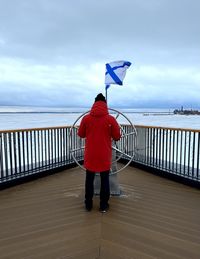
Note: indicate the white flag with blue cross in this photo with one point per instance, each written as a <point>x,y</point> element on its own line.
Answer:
<point>115,72</point>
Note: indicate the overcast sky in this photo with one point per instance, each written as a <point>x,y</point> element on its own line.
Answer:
<point>53,53</point>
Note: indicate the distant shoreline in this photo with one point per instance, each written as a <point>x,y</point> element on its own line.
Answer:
<point>80,112</point>
<point>38,112</point>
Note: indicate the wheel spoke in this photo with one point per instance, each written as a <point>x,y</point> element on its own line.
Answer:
<point>76,149</point>
<point>128,134</point>
<point>118,150</point>
<point>117,116</point>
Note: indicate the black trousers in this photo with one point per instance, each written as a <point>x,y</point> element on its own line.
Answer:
<point>104,191</point>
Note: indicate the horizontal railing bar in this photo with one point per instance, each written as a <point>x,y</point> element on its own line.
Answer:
<point>33,129</point>
<point>166,128</point>
<point>64,127</point>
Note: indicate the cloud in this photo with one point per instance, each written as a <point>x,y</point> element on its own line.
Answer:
<point>53,53</point>
<point>53,29</point>
<point>78,85</point>
<point>34,84</point>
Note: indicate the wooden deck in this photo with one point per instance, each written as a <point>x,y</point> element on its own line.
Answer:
<point>154,218</point>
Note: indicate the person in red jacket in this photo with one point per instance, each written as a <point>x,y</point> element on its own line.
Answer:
<point>99,128</point>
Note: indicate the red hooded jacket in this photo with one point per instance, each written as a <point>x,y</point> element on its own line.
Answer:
<point>99,128</point>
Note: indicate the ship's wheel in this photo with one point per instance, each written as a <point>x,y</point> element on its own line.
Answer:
<point>122,149</point>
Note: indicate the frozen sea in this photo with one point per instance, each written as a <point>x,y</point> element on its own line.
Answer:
<point>37,117</point>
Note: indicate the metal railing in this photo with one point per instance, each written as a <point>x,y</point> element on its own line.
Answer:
<point>172,150</point>
<point>29,151</point>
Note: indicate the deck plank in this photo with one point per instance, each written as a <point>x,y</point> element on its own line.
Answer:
<point>153,218</point>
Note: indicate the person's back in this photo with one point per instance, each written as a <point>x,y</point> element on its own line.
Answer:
<point>99,128</point>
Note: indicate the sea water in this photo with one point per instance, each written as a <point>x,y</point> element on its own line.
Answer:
<point>39,117</point>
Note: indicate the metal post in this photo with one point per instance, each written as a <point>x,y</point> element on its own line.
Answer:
<point>106,90</point>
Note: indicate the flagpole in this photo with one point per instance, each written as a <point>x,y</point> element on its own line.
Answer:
<point>106,88</point>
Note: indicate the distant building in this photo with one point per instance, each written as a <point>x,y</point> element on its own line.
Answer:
<point>186,112</point>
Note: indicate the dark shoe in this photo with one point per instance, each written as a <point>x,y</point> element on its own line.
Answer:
<point>104,209</point>
<point>88,205</point>
<point>88,208</point>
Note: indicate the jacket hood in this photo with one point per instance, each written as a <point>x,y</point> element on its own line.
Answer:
<point>99,109</point>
